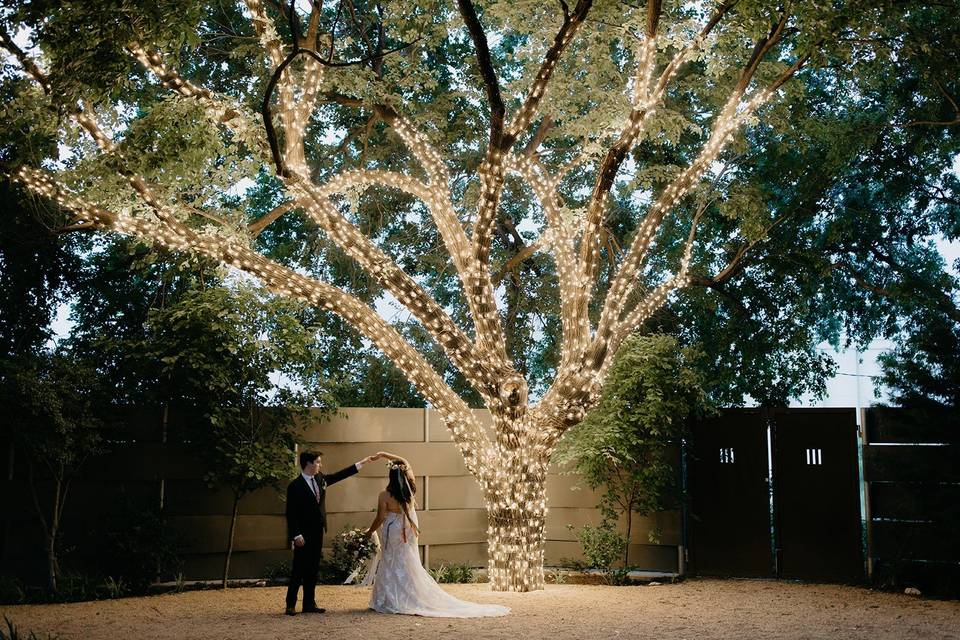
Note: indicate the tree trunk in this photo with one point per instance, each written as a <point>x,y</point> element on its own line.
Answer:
<point>53,565</point>
<point>626,549</point>
<point>516,515</point>
<point>233,531</point>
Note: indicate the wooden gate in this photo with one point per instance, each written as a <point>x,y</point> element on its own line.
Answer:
<point>729,510</point>
<point>816,489</point>
<point>803,522</point>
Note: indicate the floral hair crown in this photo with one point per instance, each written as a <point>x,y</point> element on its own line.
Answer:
<point>397,465</point>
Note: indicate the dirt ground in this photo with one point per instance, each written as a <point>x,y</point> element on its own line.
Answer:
<point>701,609</point>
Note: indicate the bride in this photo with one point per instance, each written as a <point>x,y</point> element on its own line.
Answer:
<point>400,583</point>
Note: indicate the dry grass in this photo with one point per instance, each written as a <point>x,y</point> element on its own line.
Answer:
<point>701,609</point>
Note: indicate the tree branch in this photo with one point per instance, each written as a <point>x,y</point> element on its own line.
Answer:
<point>256,227</point>
<point>490,82</point>
<point>468,433</point>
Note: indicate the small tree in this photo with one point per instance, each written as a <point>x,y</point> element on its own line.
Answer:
<point>628,443</point>
<point>55,414</point>
<point>228,346</point>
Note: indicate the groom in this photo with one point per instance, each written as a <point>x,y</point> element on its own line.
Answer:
<point>306,522</point>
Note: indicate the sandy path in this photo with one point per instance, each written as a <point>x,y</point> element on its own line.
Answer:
<point>701,609</point>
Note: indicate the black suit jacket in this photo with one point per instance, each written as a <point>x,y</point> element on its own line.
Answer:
<point>305,516</point>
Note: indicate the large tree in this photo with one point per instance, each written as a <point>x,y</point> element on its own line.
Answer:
<point>504,133</point>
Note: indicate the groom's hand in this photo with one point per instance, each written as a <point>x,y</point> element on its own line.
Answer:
<point>298,541</point>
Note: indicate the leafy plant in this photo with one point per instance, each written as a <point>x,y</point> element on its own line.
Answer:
<point>225,344</point>
<point>350,549</point>
<point>628,445</point>
<point>113,588</point>
<point>56,410</point>
<point>138,548</point>
<point>558,576</point>
<point>603,547</point>
<point>13,632</point>
<point>276,573</point>
<point>454,573</point>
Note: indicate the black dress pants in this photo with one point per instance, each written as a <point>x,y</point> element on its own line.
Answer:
<point>306,564</point>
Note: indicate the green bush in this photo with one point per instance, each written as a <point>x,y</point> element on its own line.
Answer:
<point>454,573</point>
<point>603,546</point>
<point>112,588</point>
<point>139,549</point>
<point>73,587</point>
<point>277,573</point>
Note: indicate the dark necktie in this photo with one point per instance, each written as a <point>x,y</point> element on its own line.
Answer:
<point>316,489</point>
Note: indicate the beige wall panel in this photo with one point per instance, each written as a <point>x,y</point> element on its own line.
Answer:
<point>558,553</point>
<point>563,492</point>
<point>427,458</point>
<point>359,493</point>
<point>337,522</point>
<point>438,427</point>
<point>193,497</point>
<point>474,554</point>
<point>453,526</point>
<point>558,519</point>
<point>666,528</point>
<point>243,564</point>
<point>89,498</point>
<point>653,557</point>
<point>437,527</point>
<point>668,523</point>
<point>455,492</point>
<point>646,557</point>
<point>366,425</point>
<point>144,461</point>
<point>266,501</point>
<point>208,534</point>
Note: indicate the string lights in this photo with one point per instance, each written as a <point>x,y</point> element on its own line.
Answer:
<point>511,462</point>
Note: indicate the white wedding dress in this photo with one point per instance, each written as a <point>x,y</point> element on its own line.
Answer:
<point>402,585</point>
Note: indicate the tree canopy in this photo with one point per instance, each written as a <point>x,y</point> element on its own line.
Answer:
<point>528,182</point>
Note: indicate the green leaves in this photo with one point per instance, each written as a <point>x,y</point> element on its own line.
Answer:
<point>629,443</point>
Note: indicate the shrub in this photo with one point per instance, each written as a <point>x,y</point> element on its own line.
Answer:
<point>277,573</point>
<point>350,548</point>
<point>454,573</point>
<point>603,546</point>
<point>140,548</point>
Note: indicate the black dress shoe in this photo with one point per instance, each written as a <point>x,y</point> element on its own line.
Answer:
<point>290,611</point>
<point>314,610</point>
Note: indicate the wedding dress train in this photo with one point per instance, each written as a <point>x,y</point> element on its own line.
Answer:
<point>402,585</point>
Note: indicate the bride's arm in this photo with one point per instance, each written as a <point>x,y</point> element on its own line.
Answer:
<point>381,514</point>
<point>394,458</point>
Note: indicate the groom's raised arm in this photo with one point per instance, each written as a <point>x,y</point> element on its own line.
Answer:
<point>346,472</point>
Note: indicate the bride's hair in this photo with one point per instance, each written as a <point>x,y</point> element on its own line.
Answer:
<point>402,486</point>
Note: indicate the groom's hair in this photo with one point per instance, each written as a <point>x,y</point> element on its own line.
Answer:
<point>307,457</point>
